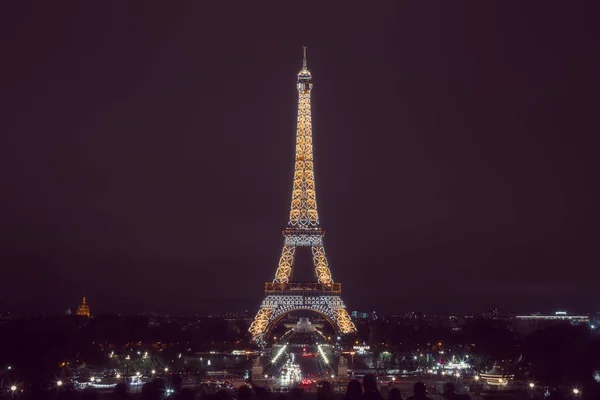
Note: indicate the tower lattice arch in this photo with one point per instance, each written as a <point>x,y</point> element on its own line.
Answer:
<point>303,230</point>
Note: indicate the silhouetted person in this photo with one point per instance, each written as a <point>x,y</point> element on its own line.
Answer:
<point>370,388</point>
<point>186,394</point>
<point>261,392</point>
<point>159,386</point>
<point>89,394</point>
<point>176,382</point>
<point>395,394</point>
<point>148,392</point>
<point>120,392</point>
<point>353,390</point>
<point>420,392</point>
<point>449,393</point>
<point>297,393</point>
<point>325,391</point>
<point>557,395</point>
<point>244,393</point>
<point>385,391</point>
<point>222,395</point>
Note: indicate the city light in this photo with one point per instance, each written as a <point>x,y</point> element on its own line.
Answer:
<point>118,376</point>
<point>92,379</point>
<point>531,385</point>
<point>13,388</point>
<point>153,372</point>
<point>166,369</point>
<point>575,391</point>
<point>476,378</point>
<point>58,383</point>
<point>138,373</point>
<point>322,353</point>
<point>332,376</point>
<point>279,353</point>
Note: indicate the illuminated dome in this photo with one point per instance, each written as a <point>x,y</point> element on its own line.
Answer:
<point>83,310</point>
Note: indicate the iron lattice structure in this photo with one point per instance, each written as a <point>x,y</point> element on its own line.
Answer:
<point>282,295</point>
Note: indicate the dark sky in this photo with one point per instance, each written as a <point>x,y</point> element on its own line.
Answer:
<point>146,152</point>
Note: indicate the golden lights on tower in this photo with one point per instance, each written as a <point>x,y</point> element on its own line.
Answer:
<point>303,230</point>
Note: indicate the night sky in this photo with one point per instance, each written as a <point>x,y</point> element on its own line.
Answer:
<point>146,153</point>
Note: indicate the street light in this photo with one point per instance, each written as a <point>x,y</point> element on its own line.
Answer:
<point>332,376</point>
<point>153,371</point>
<point>531,385</point>
<point>92,379</point>
<point>476,378</point>
<point>13,388</point>
<point>59,383</point>
<point>118,376</point>
<point>575,391</point>
<point>166,369</point>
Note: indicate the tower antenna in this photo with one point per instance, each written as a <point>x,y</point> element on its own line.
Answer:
<point>304,61</point>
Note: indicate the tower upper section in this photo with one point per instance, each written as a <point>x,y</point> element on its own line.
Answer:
<point>304,77</point>
<point>303,212</point>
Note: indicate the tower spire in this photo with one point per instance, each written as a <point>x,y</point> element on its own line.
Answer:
<point>304,60</point>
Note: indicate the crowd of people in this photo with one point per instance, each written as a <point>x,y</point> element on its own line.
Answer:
<point>158,390</point>
<point>355,390</point>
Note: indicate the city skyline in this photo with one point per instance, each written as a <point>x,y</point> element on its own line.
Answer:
<point>147,160</point>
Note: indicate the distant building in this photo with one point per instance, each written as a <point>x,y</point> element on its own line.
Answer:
<point>496,377</point>
<point>491,312</point>
<point>528,323</point>
<point>361,315</point>
<point>83,310</point>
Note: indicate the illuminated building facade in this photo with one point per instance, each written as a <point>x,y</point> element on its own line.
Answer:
<point>303,230</point>
<point>530,323</point>
<point>83,310</point>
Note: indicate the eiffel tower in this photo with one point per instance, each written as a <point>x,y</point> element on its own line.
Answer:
<point>283,296</point>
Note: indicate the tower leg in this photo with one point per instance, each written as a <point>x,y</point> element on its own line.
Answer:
<point>321,267</point>
<point>286,262</point>
<point>258,328</point>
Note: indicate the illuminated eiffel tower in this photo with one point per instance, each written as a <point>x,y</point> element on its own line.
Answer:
<point>303,230</point>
